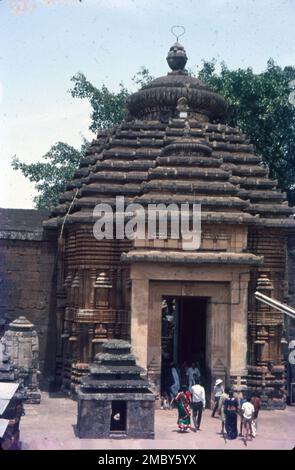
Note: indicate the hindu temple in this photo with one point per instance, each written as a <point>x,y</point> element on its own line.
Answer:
<point>172,304</point>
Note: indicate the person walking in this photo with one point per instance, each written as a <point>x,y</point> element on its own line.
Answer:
<point>217,392</point>
<point>183,400</point>
<point>198,403</point>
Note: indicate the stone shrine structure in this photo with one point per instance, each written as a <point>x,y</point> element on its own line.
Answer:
<point>8,373</point>
<point>11,411</point>
<point>12,396</point>
<point>22,346</point>
<point>173,147</point>
<point>114,400</point>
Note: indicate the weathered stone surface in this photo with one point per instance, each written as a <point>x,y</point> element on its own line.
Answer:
<point>27,288</point>
<point>22,346</point>
<point>99,394</point>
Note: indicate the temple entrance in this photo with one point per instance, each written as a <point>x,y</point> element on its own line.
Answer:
<point>183,336</point>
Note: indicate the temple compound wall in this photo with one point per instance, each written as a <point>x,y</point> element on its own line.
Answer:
<point>27,283</point>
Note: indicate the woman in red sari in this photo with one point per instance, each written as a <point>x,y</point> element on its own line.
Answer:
<point>183,400</point>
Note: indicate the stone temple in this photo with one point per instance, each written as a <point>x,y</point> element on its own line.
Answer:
<point>174,305</point>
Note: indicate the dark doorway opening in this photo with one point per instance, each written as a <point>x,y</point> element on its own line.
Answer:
<point>118,417</point>
<point>183,336</point>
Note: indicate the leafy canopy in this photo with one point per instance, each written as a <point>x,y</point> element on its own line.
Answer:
<point>259,104</point>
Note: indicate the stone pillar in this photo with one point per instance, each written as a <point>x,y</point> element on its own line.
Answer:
<point>218,338</point>
<point>22,345</point>
<point>238,327</point>
<point>154,353</point>
<point>139,320</point>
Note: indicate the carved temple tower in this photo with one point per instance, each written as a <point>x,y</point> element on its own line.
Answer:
<point>174,304</point>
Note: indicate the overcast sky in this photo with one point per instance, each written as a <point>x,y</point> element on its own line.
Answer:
<point>45,42</point>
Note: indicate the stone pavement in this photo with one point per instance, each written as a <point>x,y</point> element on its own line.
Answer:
<point>51,425</point>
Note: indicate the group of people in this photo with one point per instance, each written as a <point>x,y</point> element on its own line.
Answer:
<point>187,375</point>
<point>229,407</point>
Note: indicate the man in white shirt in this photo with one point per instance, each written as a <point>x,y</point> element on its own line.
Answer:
<point>198,403</point>
<point>248,414</point>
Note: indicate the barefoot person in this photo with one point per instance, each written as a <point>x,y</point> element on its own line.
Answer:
<point>198,403</point>
<point>183,405</point>
<point>242,400</point>
<point>248,414</point>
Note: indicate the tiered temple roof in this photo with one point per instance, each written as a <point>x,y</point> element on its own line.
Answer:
<point>171,148</point>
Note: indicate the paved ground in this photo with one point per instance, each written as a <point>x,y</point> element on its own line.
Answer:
<point>51,425</point>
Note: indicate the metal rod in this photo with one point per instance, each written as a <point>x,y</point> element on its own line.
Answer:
<point>275,304</point>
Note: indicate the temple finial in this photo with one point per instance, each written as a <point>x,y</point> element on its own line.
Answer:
<point>177,57</point>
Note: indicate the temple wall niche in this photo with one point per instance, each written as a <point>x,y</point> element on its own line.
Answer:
<point>27,280</point>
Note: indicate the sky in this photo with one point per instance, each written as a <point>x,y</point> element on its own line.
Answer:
<point>43,43</point>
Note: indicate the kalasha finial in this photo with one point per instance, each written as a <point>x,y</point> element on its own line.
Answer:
<point>177,57</point>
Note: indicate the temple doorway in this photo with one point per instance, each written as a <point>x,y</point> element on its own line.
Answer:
<point>183,336</point>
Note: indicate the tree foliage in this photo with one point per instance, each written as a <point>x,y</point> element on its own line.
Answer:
<point>107,107</point>
<point>51,174</point>
<point>259,105</point>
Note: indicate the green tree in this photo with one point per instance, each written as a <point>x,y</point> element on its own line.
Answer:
<point>51,174</point>
<point>259,105</point>
<point>107,107</point>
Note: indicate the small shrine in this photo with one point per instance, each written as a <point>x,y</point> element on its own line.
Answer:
<point>22,346</point>
<point>114,400</point>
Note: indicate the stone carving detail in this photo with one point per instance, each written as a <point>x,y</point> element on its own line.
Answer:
<point>114,400</point>
<point>22,345</point>
<point>172,147</point>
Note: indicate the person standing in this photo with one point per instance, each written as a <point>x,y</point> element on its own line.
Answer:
<point>183,373</point>
<point>256,402</point>
<point>248,414</point>
<point>183,400</point>
<point>193,374</point>
<point>231,406</point>
<point>222,399</point>
<point>198,403</point>
<point>217,392</point>
<point>242,400</point>
<point>175,385</point>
